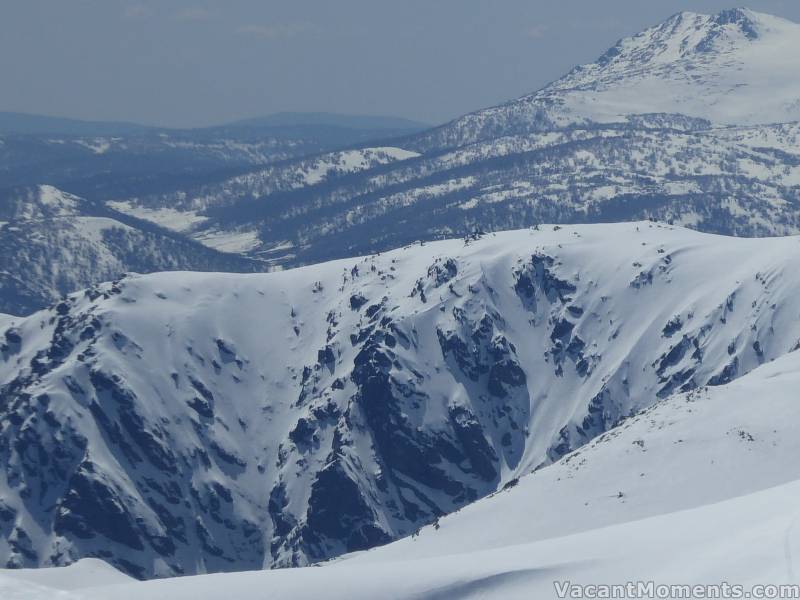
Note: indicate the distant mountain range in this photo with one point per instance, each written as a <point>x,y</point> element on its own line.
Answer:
<point>694,121</point>
<point>74,239</point>
<point>690,122</point>
<point>101,161</point>
<point>363,122</point>
<point>14,123</point>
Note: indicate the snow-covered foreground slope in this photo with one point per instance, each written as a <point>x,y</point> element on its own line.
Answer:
<point>699,489</point>
<point>64,583</point>
<point>188,422</point>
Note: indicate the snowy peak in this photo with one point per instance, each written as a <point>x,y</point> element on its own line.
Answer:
<point>753,24</point>
<point>737,67</point>
<point>58,200</point>
<point>683,35</point>
<point>687,34</point>
<point>744,19</point>
<point>733,67</point>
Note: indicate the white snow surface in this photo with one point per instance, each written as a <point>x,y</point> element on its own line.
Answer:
<point>700,488</point>
<point>236,240</point>
<point>96,145</point>
<point>57,199</point>
<point>58,583</point>
<point>351,161</point>
<point>46,201</point>
<point>176,220</point>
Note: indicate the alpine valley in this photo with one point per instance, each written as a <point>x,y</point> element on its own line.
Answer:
<point>555,340</point>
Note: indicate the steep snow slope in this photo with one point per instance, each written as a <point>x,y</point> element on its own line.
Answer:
<point>53,243</point>
<point>693,449</point>
<point>383,392</point>
<point>699,489</point>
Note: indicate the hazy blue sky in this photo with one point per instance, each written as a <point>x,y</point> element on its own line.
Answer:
<point>195,62</point>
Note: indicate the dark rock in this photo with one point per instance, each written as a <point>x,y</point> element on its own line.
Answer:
<point>92,507</point>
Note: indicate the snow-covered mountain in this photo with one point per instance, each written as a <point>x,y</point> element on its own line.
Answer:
<point>694,122</point>
<point>184,423</point>
<point>734,68</point>
<point>700,488</point>
<point>53,243</point>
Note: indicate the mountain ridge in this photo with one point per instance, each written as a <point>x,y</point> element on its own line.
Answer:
<point>412,383</point>
<point>22,123</point>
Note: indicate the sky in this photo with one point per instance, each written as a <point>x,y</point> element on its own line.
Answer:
<point>185,63</point>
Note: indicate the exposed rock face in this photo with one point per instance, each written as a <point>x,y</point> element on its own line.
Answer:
<point>205,422</point>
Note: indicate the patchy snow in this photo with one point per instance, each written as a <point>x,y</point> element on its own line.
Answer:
<point>58,202</point>
<point>184,212</point>
<point>96,145</point>
<point>236,241</point>
<point>352,161</point>
<point>93,227</point>
<point>176,220</point>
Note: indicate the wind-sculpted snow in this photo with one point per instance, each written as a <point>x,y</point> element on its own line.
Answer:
<point>183,423</point>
